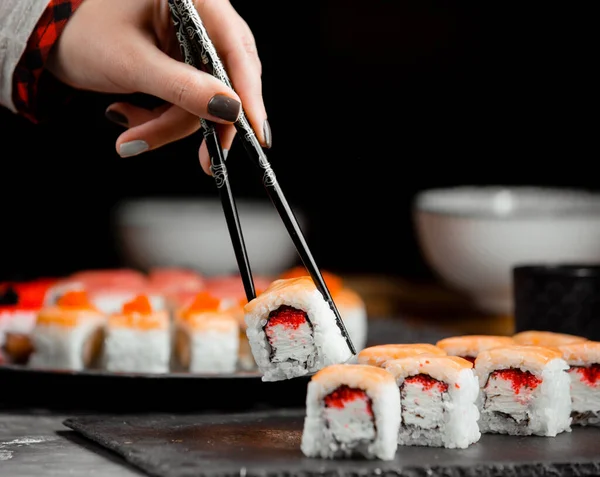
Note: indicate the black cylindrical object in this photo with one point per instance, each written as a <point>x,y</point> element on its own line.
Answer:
<point>559,298</point>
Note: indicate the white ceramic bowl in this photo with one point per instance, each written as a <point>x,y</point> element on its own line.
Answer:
<point>472,237</point>
<point>193,233</point>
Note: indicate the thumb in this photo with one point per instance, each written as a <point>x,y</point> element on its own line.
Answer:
<point>193,90</point>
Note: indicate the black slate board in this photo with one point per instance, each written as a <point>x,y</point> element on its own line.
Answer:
<point>101,391</point>
<point>267,444</point>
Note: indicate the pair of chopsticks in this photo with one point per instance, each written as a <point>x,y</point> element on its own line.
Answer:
<point>199,51</point>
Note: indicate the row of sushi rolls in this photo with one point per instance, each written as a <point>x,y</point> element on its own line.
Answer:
<point>445,394</point>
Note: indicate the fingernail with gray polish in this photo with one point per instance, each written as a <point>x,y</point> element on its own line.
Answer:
<point>267,133</point>
<point>133,148</point>
<point>117,117</point>
<point>224,107</point>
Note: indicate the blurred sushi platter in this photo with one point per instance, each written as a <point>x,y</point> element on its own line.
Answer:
<point>122,321</point>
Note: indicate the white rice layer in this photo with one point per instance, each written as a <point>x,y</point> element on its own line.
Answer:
<point>137,351</point>
<point>214,351</point>
<point>58,347</point>
<point>432,416</point>
<point>333,433</point>
<point>543,411</point>
<point>585,400</point>
<point>20,322</point>
<point>4,323</point>
<point>328,346</point>
<point>245,359</point>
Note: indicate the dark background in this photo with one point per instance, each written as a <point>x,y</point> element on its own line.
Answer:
<point>369,103</point>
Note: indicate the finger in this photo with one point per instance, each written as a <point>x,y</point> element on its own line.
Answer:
<point>193,90</point>
<point>236,46</point>
<point>128,115</point>
<point>226,135</point>
<point>150,130</point>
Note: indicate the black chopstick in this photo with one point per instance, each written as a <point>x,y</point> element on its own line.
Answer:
<point>212,64</point>
<point>193,56</point>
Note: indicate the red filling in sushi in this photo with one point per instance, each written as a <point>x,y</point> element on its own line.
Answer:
<point>590,375</point>
<point>470,359</point>
<point>348,414</point>
<point>427,383</point>
<point>344,395</point>
<point>519,380</point>
<point>290,335</point>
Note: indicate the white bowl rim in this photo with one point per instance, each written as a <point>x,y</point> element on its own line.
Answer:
<point>500,202</point>
<point>155,211</point>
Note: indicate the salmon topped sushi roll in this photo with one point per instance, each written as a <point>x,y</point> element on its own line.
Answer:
<point>438,397</point>
<point>68,335</point>
<point>293,331</point>
<point>469,346</point>
<point>524,391</point>
<point>174,284</point>
<point>138,340</point>
<point>349,303</point>
<point>546,338</point>
<point>351,410</point>
<point>378,355</point>
<point>206,337</point>
<point>584,370</point>
<point>20,304</point>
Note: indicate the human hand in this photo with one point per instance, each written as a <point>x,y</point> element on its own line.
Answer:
<point>116,46</point>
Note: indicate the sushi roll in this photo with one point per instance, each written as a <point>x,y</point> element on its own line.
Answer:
<point>293,331</point>
<point>524,391</point>
<point>349,303</point>
<point>380,354</point>
<point>546,338</point>
<point>108,290</point>
<point>138,340</point>
<point>351,410</point>
<point>68,335</point>
<point>206,337</point>
<point>110,299</point>
<point>584,370</point>
<point>20,304</point>
<point>8,307</point>
<point>175,284</point>
<point>245,359</point>
<point>469,346</point>
<point>20,317</point>
<point>230,289</point>
<point>438,397</point>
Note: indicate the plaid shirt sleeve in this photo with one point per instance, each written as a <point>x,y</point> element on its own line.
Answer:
<point>36,92</point>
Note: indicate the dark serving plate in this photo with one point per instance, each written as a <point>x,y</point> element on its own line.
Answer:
<point>91,390</point>
<point>267,444</point>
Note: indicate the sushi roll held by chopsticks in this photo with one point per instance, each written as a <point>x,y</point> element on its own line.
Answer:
<point>438,397</point>
<point>206,337</point>
<point>350,304</point>
<point>525,390</point>
<point>138,340</point>
<point>351,410</point>
<point>292,330</point>
<point>584,371</point>
<point>68,335</point>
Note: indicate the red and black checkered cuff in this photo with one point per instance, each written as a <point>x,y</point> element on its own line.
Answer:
<point>35,91</point>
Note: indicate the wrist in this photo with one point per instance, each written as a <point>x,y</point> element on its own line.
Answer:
<point>36,92</point>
